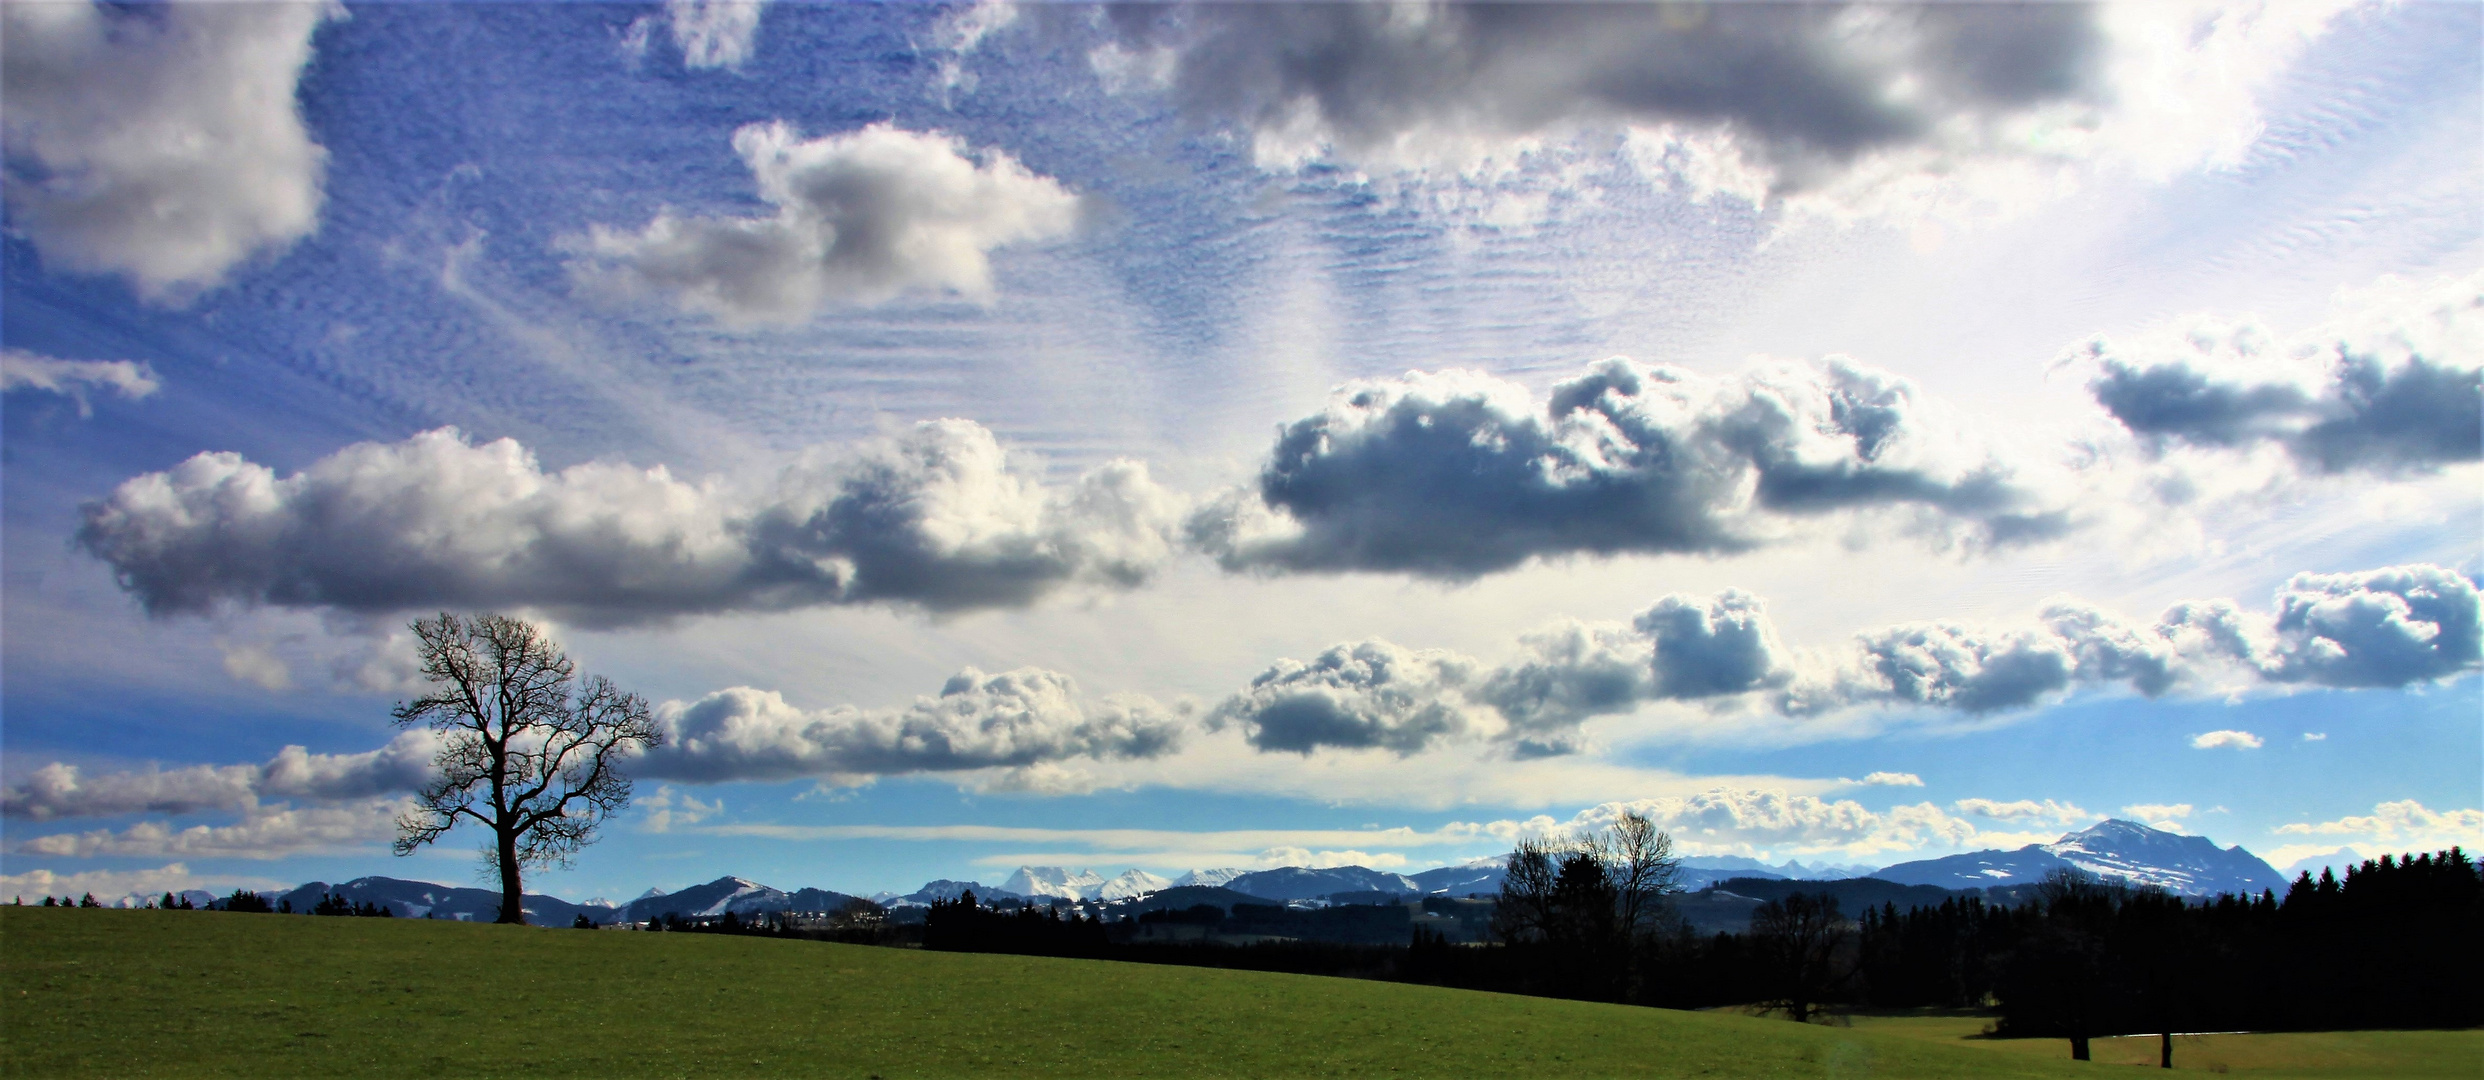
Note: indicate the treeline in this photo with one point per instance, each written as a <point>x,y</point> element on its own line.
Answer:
<point>242,900</point>
<point>2388,946</point>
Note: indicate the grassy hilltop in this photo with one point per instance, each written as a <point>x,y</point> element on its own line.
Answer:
<point>146,993</point>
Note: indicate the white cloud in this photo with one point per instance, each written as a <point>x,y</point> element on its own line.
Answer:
<point>714,33</point>
<point>1893,779</point>
<point>2216,740</point>
<point>861,218</point>
<point>937,516</point>
<point>959,32</point>
<point>669,808</point>
<point>2158,812</point>
<point>57,791</point>
<point>163,144</point>
<point>2389,627</point>
<point>111,886</point>
<point>2314,736</point>
<point>1751,821</point>
<point>1013,720</point>
<point>2402,827</point>
<point>2025,810</point>
<point>264,832</point>
<point>22,370</point>
<point>256,664</point>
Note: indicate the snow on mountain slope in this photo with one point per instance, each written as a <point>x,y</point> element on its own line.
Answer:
<point>1211,878</point>
<point>1131,884</point>
<point>1303,883</point>
<point>1054,881</point>
<point>2115,850</point>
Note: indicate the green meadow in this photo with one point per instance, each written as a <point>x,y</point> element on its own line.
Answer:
<point>147,993</point>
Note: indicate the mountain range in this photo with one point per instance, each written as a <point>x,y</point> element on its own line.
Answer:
<point>2115,850</point>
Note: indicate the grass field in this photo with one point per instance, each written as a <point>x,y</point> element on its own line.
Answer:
<point>140,993</point>
<point>2289,1055</point>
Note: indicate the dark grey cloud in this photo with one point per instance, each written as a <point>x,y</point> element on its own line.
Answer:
<point>1455,474</point>
<point>1566,674</point>
<point>1802,88</point>
<point>936,516</point>
<point>2397,385</point>
<point>1366,695</point>
<point>2387,627</point>
<point>1011,720</point>
<point>1724,645</point>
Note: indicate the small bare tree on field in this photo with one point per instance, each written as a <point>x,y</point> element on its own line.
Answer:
<point>529,752</point>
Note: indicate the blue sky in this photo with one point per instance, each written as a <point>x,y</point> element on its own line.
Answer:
<point>2012,400</point>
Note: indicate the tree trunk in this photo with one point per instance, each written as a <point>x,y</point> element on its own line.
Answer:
<point>2078,1048</point>
<point>512,896</point>
<point>2164,1051</point>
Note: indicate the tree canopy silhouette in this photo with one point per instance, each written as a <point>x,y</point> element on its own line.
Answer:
<point>529,752</point>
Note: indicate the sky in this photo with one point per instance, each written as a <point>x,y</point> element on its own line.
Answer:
<point>1195,436</point>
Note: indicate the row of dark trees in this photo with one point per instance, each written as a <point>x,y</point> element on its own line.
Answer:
<point>2387,946</point>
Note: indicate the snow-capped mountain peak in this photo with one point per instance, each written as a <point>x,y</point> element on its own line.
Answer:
<point>2114,850</point>
<point>1130,884</point>
<point>1214,877</point>
<point>1054,881</point>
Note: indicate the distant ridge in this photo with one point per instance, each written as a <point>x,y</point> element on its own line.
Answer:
<point>2116,850</point>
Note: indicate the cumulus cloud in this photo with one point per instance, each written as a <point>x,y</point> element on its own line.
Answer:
<point>1366,695</point>
<point>2395,626</point>
<point>264,832</point>
<point>1893,779</point>
<point>1748,820</point>
<point>74,379</point>
<point>2394,383</point>
<point>2025,810</point>
<point>1802,89</point>
<point>2404,825</point>
<point>1847,108</point>
<point>137,885</point>
<point>1014,720</point>
<point>2220,740</point>
<point>861,218</point>
<point>2384,627</point>
<point>1567,673</point>
<point>58,791</point>
<point>936,516</point>
<point>161,144</point>
<point>1454,474</point>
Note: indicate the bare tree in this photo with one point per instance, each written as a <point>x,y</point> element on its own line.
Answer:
<point>530,753</point>
<point>1644,870</point>
<point>1800,940</point>
<point>1525,911</point>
